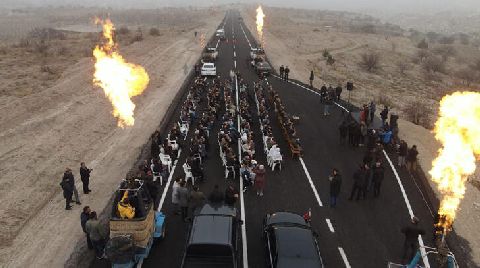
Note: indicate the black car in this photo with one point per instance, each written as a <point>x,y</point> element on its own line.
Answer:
<point>290,242</point>
<point>262,67</point>
<point>213,238</point>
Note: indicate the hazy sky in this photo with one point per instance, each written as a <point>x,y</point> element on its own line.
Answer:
<point>409,6</point>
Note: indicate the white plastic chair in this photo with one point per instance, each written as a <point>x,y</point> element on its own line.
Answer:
<point>166,160</point>
<point>229,169</point>
<point>188,173</point>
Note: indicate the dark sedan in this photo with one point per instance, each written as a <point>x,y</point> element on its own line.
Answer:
<point>290,242</point>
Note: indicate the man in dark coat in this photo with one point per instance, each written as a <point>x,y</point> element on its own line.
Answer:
<point>282,71</point>
<point>335,184</point>
<point>287,71</point>
<point>402,153</point>
<point>67,187</point>
<point>412,159</point>
<point>359,182</point>
<point>377,177</point>
<point>323,93</point>
<point>85,177</point>
<point>338,92</point>
<point>216,197</point>
<point>384,115</point>
<point>411,232</point>
<point>84,217</point>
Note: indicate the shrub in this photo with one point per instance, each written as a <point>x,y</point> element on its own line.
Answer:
<point>468,76</point>
<point>418,113</point>
<point>445,52</point>
<point>402,67</point>
<point>330,60</point>
<point>123,30</point>
<point>325,53</point>
<point>154,32</point>
<point>423,44</point>
<point>370,61</point>
<point>434,64</point>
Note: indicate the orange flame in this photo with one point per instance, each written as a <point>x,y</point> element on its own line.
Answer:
<point>119,79</point>
<point>458,129</point>
<point>260,17</point>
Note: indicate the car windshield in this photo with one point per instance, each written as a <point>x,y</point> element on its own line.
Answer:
<point>208,66</point>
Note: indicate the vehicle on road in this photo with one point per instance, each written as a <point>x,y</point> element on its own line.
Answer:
<point>208,69</point>
<point>213,238</point>
<point>132,238</point>
<point>257,54</point>
<point>210,54</point>
<point>220,33</point>
<point>290,241</point>
<point>263,68</point>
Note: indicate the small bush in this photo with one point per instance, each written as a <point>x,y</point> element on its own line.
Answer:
<point>370,61</point>
<point>62,51</point>
<point>418,113</point>
<point>402,67</point>
<point>445,52</point>
<point>423,44</point>
<point>154,32</point>
<point>41,47</point>
<point>434,64</point>
<point>138,36</point>
<point>468,76</point>
<point>330,60</point>
<point>325,53</point>
<point>123,30</point>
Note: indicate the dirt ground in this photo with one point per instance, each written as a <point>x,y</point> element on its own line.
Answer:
<point>47,127</point>
<point>297,38</point>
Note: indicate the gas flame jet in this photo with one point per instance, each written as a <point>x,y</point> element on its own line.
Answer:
<point>119,79</point>
<point>458,129</point>
<point>260,17</point>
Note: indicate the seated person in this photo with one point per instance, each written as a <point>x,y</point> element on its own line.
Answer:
<point>125,209</point>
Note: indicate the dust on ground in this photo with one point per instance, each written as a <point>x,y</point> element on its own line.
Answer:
<point>298,38</point>
<point>52,117</point>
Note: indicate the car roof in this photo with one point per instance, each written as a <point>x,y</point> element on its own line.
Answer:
<point>286,217</point>
<point>296,247</point>
<point>209,64</point>
<point>211,229</point>
<point>209,209</point>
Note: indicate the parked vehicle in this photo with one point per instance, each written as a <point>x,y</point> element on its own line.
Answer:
<point>210,54</point>
<point>131,239</point>
<point>262,67</point>
<point>257,53</point>
<point>290,241</point>
<point>208,69</point>
<point>220,33</point>
<point>213,238</point>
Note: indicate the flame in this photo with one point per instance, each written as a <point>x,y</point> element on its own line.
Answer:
<point>458,129</point>
<point>119,79</point>
<point>260,17</point>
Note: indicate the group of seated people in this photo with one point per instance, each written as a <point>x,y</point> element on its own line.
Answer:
<point>286,124</point>
<point>228,133</point>
<point>272,150</point>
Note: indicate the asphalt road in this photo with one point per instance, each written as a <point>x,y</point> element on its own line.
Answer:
<point>363,233</point>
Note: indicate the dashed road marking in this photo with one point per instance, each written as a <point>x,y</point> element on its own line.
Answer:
<point>330,226</point>
<point>249,44</point>
<point>234,54</point>
<point>167,186</point>
<point>311,182</point>
<point>344,257</point>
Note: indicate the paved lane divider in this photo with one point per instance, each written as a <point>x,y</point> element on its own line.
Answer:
<point>330,226</point>
<point>167,186</point>
<point>344,257</point>
<point>314,189</point>
<point>399,181</point>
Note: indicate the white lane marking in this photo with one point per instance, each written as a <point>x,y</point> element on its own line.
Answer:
<point>242,203</point>
<point>235,64</point>
<point>344,257</point>
<point>234,54</point>
<point>402,189</point>
<point>249,44</point>
<point>311,182</point>
<point>218,41</point>
<point>330,226</point>
<point>410,210</point>
<point>167,186</point>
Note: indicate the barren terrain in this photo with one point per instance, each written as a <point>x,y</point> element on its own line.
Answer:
<point>52,117</point>
<point>298,39</point>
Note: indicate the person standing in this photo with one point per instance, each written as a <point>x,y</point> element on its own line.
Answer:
<point>282,72</point>
<point>411,232</point>
<point>359,182</point>
<point>175,202</point>
<point>328,103</point>
<point>372,107</point>
<point>197,199</point>
<point>323,93</point>
<point>75,191</point>
<point>182,195</point>
<point>259,179</point>
<point>412,159</point>
<point>384,115</point>
<point>97,233</point>
<point>84,217</point>
<point>231,196</point>
<point>67,185</point>
<point>85,177</point>
<point>335,184</point>
<point>402,153</point>
<point>216,197</point>
<point>287,71</point>
<point>377,177</point>
<point>338,92</point>
<point>311,78</point>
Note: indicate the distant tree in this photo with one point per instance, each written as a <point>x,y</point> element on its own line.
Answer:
<point>402,67</point>
<point>423,44</point>
<point>418,112</point>
<point>123,30</point>
<point>446,40</point>
<point>445,51</point>
<point>421,56</point>
<point>370,61</point>
<point>433,36</point>
<point>468,76</point>
<point>434,64</point>
<point>464,39</point>
<point>154,32</point>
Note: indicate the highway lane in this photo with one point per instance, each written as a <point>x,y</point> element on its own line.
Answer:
<point>363,234</point>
